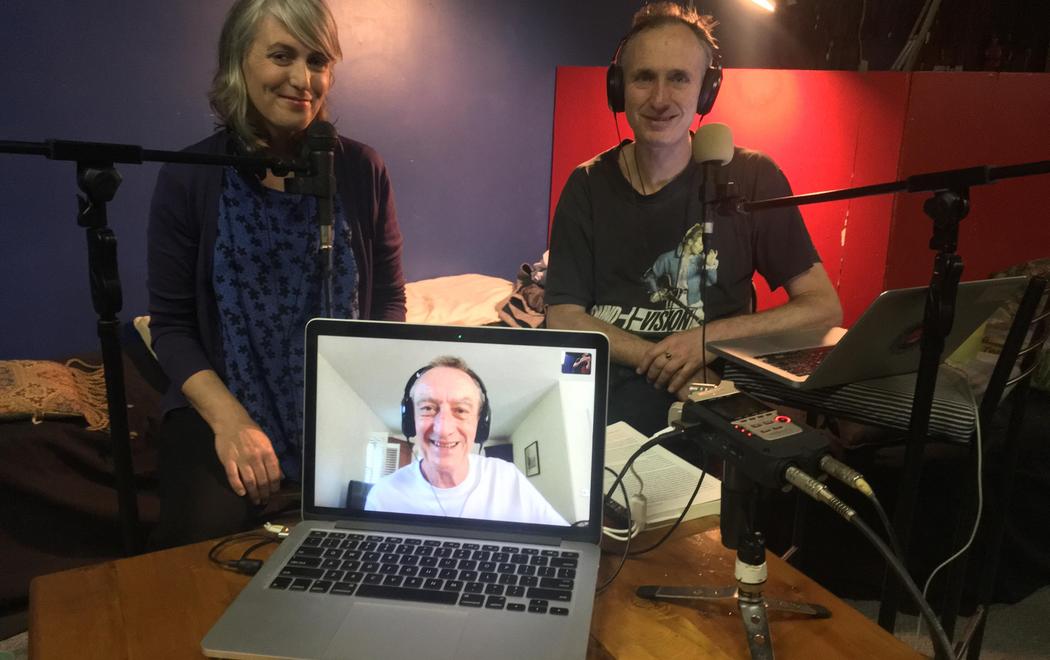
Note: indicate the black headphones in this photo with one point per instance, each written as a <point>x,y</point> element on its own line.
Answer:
<point>408,413</point>
<point>614,85</point>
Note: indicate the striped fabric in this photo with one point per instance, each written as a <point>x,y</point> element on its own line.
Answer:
<point>884,402</point>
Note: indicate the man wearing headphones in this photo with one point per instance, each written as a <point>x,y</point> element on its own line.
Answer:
<point>446,410</point>
<point>622,210</point>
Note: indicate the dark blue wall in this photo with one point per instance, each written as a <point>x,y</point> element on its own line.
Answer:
<point>457,95</point>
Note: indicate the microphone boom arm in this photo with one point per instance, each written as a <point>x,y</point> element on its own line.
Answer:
<point>925,182</point>
<point>111,153</point>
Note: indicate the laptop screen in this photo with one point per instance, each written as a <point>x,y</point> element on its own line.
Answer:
<point>443,425</point>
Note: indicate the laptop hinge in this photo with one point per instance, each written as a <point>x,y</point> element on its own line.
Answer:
<point>434,530</point>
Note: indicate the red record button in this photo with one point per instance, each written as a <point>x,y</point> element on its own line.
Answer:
<point>783,419</point>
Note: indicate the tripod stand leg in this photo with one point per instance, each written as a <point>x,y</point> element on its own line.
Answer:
<point>751,604</point>
<point>811,610</point>
<point>756,625</point>
<point>679,594</point>
<point>751,575</point>
<point>725,595</point>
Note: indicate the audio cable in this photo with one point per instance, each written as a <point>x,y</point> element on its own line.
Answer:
<point>626,541</point>
<point>856,480</point>
<point>659,438</point>
<point>681,516</point>
<point>980,487</point>
<point>634,523</point>
<point>821,493</point>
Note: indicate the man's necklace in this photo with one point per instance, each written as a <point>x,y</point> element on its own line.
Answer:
<point>638,170</point>
<point>433,491</point>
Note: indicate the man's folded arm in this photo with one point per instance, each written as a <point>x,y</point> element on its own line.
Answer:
<point>812,303</point>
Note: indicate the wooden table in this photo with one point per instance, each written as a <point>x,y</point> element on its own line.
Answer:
<point>626,626</point>
<point>161,604</point>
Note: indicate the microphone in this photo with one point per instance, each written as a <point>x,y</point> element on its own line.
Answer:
<point>713,143</point>
<point>321,141</point>
<point>712,148</point>
<point>319,181</point>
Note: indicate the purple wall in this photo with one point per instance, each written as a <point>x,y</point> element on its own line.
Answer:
<point>457,95</point>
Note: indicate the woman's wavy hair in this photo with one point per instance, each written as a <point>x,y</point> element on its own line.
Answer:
<point>309,21</point>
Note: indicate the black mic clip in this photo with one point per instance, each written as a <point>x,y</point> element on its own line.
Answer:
<point>319,181</point>
<point>727,200</point>
<point>282,168</point>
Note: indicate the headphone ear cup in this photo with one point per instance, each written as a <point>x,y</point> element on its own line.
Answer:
<point>709,89</point>
<point>484,423</point>
<point>408,418</point>
<point>408,413</point>
<point>614,87</point>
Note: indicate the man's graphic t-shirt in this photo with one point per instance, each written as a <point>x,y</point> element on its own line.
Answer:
<point>638,261</point>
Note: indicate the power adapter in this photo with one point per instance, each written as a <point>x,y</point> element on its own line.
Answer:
<point>639,511</point>
<point>615,514</point>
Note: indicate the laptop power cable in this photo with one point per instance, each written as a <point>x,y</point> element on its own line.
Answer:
<point>245,564</point>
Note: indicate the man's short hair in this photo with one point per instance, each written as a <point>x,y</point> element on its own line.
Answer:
<point>452,362</point>
<point>657,14</point>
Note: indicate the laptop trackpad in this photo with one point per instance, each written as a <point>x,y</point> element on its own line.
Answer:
<point>379,630</point>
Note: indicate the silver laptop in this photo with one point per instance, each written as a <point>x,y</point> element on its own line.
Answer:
<point>883,342</point>
<point>384,564</point>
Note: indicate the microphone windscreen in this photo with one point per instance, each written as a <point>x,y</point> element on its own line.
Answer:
<point>713,142</point>
<point>321,135</point>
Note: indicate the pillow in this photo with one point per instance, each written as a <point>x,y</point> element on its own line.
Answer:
<point>40,389</point>
<point>469,299</point>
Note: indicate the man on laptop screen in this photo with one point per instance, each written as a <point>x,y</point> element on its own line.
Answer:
<point>447,411</point>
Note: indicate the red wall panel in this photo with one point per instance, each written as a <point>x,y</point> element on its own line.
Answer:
<point>963,119</point>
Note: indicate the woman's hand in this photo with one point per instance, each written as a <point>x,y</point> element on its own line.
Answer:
<point>249,460</point>
<point>245,452</point>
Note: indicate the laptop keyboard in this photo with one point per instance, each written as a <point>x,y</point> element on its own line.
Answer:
<point>500,577</point>
<point>800,362</point>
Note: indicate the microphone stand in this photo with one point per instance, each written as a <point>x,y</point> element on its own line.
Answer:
<point>99,180</point>
<point>749,465</point>
<point>947,208</point>
<point>321,142</point>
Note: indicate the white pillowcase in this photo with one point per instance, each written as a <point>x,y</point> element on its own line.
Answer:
<point>469,299</point>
